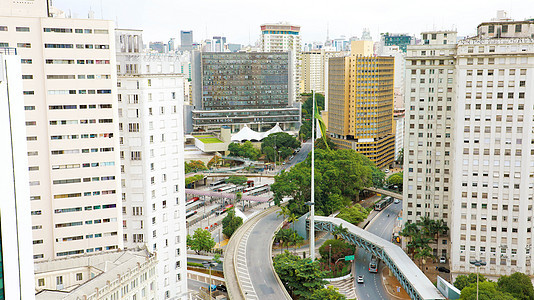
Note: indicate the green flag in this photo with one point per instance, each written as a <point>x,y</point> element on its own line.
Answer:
<point>322,125</point>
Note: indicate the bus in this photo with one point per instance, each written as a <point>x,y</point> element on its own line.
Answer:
<point>217,183</point>
<point>262,189</point>
<point>193,204</point>
<point>190,214</point>
<point>226,189</point>
<point>194,199</point>
<point>225,209</point>
<point>380,205</point>
<point>373,265</point>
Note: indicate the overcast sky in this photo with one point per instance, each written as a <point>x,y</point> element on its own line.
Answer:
<point>239,20</point>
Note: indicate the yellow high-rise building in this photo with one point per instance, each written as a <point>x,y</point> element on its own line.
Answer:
<point>360,104</point>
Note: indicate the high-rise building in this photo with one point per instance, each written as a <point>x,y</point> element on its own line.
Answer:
<point>282,37</point>
<point>468,158</point>
<point>70,103</point>
<point>152,161</point>
<point>315,70</point>
<point>261,95</point>
<point>429,129</point>
<point>396,39</point>
<point>16,264</point>
<point>360,104</point>
<point>186,40</point>
<point>493,165</point>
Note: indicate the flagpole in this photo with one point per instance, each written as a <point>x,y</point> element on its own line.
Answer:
<point>312,208</point>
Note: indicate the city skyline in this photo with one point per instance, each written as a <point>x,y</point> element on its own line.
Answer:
<point>214,18</point>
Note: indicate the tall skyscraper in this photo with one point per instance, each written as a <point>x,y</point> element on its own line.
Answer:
<point>186,40</point>
<point>261,95</point>
<point>70,103</point>
<point>315,70</point>
<point>151,99</point>
<point>281,37</point>
<point>16,264</point>
<point>360,103</point>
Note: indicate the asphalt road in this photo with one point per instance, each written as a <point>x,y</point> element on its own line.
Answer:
<point>300,156</point>
<point>257,253</point>
<point>372,287</point>
<point>194,285</point>
<point>218,267</point>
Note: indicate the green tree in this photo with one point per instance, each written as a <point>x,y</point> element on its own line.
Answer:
<point>465,280</point>
<point>245,150</point>
<point>307,111</point>
<point>328,293</point>
<point>378,178</point>
<point>517,285</point>
<point>231,222</point>
<point>237,180</point>
<point>400,157</point>
<point>215,161</point>
<point>340,175</point>
<point>196,165</point>
<point>340,231</point>
<point>280,143</point>
<point>395,179</point>
<point>200,241</point>
<point>301,277</point>
<point>319,144</point>
<point>339,249</point>
<point>283,236</point>
<point>487,290</point>
<point>354,214</point>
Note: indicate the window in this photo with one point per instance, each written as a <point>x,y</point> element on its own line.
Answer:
<point>22,29</point>
<point>40,282</point>
<point>24,45</point>
<point>517,28</point>
<point>59,46</point>
<point>59,280</point>
<point>135,155</point>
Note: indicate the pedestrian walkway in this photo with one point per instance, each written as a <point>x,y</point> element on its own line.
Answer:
<point>345,287</point>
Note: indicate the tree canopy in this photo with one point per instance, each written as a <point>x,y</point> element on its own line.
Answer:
<point>194,166</point>
<point>245,150</point>
<point>307,111</point>
<point>200,241</point>
<point>339,249</point>
<point>339,177</point>
<point>354,214</point>
<point>231,222</point>
<point>301,277</point>
<point>518,285</point>
<point>487,290</point>
<point>281,142</point>
<point>328,293</point>
<point>395,179</point>
<point>465,280</point>
<point>237,179</point>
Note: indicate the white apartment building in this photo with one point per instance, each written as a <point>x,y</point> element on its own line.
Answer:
<point>70,102</point>
<point>429,126</point>
<point>493,166</point>
<point>282,37</point>
<point>398,119</point>
<point>16,263</point>
<point>113,275</point>
<point>150,92</point>
<point>315,70</point>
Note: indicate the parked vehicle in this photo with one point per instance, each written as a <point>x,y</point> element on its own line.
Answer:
<point>442,260</point>
<point>360,279</point>
<point>444,270</point>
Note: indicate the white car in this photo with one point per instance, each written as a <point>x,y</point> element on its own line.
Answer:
<point>397,201</point>
<point>360,279</point>
<point>442,260</point>
<point>386,171</point>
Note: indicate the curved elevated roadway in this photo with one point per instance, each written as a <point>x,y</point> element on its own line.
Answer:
<point>412,279</point>
<point>385,192</point>
<point>248,266</point>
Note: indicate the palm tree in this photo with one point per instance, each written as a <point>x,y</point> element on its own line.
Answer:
<point>295,240</point>
<point>292,218</point>
<point>340,230</point>
<point>426,226</point>
<point>284,211</point>
<point>440,227</point>
<point>409,231</point>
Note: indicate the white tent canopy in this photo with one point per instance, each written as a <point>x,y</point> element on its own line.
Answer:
<point>247,134</point>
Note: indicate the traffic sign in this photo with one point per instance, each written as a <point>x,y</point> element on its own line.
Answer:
<point>349,257</point>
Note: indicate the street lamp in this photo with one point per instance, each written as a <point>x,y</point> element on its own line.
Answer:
<point>477,264</point>
<point>329,257</point>
<point>209,264</point>
<point>312,229</point>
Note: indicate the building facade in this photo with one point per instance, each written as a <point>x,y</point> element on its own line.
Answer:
<point>283,37</point>
<point>429,127</point>
<point>315,70</point>
<point>186,40</point>
<point>396,39</point>
<point>70,103</point>
<point>360,105</point>
<point>493,167</point>
<point>236,89</point>
<point>16,263</point>
<point>150,91</point>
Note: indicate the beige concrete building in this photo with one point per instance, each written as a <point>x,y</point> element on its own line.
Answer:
<point>114,275</point>
<point>360,104</point>
<point>70,101</point>
<point>429,126</point>
<point>315,70</point>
